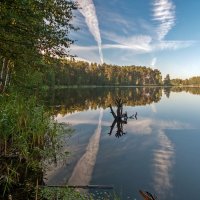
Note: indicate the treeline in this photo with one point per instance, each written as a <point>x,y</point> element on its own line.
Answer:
<point>194,81</point>
<point>71,72</point>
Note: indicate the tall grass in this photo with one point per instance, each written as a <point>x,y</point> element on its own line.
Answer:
<point>28,137</point>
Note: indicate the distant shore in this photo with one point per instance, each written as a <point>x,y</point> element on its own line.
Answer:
<point>116,86</point>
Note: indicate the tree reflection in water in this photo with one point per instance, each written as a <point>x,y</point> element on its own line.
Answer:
<point>120,118</point>
<point>69,100</point>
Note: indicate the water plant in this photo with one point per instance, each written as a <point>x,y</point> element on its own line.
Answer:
<point>29,139</point>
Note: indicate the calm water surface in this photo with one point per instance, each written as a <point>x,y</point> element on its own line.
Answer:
<point>159,153</point>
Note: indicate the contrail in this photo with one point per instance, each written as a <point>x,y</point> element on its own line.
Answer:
<point>83,170</point>
<point>87,9</point>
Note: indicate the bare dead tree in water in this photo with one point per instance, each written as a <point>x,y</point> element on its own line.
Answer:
<point>120,118</point>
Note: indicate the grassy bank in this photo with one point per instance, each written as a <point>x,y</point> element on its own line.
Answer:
<point>29,136</point>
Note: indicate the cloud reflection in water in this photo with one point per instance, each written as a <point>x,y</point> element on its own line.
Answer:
<point>83,170</point>
<point>163,153</point>
<point>163,163</point>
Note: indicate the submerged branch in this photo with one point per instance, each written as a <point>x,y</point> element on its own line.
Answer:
<point>81,186</point>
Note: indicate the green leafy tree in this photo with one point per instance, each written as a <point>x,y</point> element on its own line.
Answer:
<point>167,80</point>
<point>35,30</point>
<point>71,72</point>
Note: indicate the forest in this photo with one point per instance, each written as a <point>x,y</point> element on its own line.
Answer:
<point>72,72</point>
<point>193,81</point>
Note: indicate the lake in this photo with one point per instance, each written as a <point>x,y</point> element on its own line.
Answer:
<point>158,152</point>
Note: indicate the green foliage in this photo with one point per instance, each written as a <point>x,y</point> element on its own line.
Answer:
<point>193,81</point>
<point>32,32</point>
<point>177,81</point>
<point>63,194</point>
<point>34,26</point>
<point>82,73</point>
<point>66,193</point>
<point>167,80</point>
<point>29,137</point>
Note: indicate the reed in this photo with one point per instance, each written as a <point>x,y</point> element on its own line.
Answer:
<point>29,139</point>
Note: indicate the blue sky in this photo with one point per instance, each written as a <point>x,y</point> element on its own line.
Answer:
<point>162,34</point>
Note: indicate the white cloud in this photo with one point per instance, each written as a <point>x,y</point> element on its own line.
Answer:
<point>138,42</point>
<point>164,14</point>
<point>117,19</point>
<point>153,62</point>
<point>144,44</point>
<point>134,45</point>
<point>153,41</point>
<point>172,45</point>
<point>83,48</point>
<point>89,53</point>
